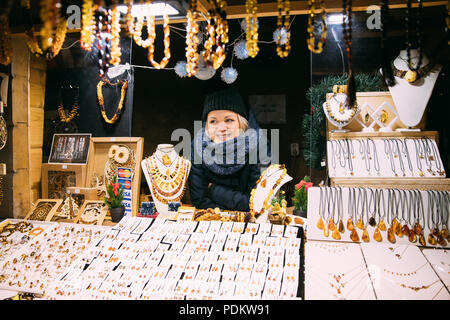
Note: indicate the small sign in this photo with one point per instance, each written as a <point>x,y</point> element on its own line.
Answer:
<point>70,148</point>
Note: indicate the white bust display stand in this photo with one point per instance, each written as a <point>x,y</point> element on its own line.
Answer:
<point>161,150</point>
<point>411,99</point>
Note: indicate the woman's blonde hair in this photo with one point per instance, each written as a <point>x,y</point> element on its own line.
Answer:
<point>243,124</point>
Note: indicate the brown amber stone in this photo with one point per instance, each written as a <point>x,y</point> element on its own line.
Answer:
<point>412,237</point>
<point>397,228</point>
<point>441,240</point>
<point>418,228</point>
<point>422,239</point>
<point>336,235</point>
<point>431,239</point>
<point>372,222</point>
<point>382,225</point>
<point>365,236</point>
<point>326,232</point>
<point>405,230</point>
<point>320,224</point>
<point>377,235</point>
<point>391,235</point>
<point>350,224</point>
<point>436,232</point>
<point>341,226</point>
<point>331,225</point>
<point>354,236</point>
<point>360,224</point>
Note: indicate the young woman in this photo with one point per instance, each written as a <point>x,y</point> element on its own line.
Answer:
<point>223,169</point>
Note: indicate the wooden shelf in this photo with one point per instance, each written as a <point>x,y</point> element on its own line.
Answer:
<point>441,184</point>
<point>383,135</point>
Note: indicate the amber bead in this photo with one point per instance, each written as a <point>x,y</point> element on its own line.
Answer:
<point>365,236</point>
<point>354,236</point>
<point>436,232</point>
<point>382,225</point>
<point>331,225</point>
<point>320,224</point>
<point>326,232</point>
<point>377,235</point>
<point>441,241</point>
<point>350,225</point>
<point>431,239</point>
<point>418,228</point>
<point>341,226</point>
<point>360,224</point>
<point>391,235</point>
<point>405,230</point>
<point>372,222</point>
<point>412,237</point>
<point>422,239</point>
<point>336,235</point>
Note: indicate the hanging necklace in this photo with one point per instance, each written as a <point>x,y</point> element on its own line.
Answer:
<point>434,217</point>
<point>101,101</point>
<point>88,25</point>
<point>192,56</point>
<point>418,229</point>
<point>389,153</point>
<point>331,201</point>
<point>347,30</point>
<point>365,154</point>
<point>408,206</point>
<point>365,218</point>
<point>342,155</point>
<point>381,201</point>
<point>384,17</point>
<point>402,165</point>
<point>151,48</point>
<point>442,204</point>
<point>351,208</point>
<point>396,202</point>
<point>283,22</point>
<point>350,154</point>
<point>320,224</point>
<point>137,27</point>
<point>390,231</point>
<point>337,206</point>
<point>436,157</point>
<point>427,155</point>
<point>333,156</point>
<point>104,50</point>
<point>419,156</point>
<point>371,208</point>
<point>409,45</point>
<point>251,32</point>
<point>311,41</point>
<point>376,163</point>
<point>218,33</point>
<point>406,153</point>
<point>73,111</point>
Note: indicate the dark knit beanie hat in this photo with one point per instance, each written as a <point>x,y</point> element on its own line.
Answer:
<point>225,100</point>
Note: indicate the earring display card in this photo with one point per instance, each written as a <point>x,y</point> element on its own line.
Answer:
<point>336,271</point>
<point>401,272</point>
<point>384,158</point>
<point>379,215</point>
<point>440,261</point>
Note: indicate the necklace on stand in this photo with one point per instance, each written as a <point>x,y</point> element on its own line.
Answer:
<point>331,201</point>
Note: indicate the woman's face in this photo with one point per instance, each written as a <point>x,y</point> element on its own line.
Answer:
<point>222,125</point>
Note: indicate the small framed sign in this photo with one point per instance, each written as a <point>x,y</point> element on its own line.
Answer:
<point>269,109</point>
<point>70,148</point>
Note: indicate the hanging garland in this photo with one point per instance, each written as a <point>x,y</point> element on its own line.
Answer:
<point>101,100</point>
<point>314,122</point>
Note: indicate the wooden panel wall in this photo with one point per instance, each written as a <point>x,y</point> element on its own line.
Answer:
<point>28,89</point>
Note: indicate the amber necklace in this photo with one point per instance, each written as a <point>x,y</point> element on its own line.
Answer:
<point>435,157</point>
<point>442,215</point>
<point>320,224</point>
<point>372,207</point>
<point>364,151</point>
<point>407,155</point>
<point>434,217</point>
<point>311,41</point>
<point>161,187</point>
<point>331,206</point>
<point>419,156</point>
<point>390,154</point>
<point>218,33</point>
<point>251,33</point>
<point>381,201</point>
<point>283,22</point>
<point>101,101</point>
<point>352,215</point>
<point>402,165</point>
<point>333,156</point>
<point>192,40</point>
<point>152,35</point>
<point>260,182</point>
<point>74,110</point>
<point>427,155</point>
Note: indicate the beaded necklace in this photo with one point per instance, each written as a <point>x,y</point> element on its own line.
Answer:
<point>387,71</point>
<point>192,56</point>
<point>283,22</point>
<point>408,20</point>
<point>347,30</point>
<point>323,38</point>
<point>72,113</point>
<point>87,25</point>
<point>252,29</point>
<point>151,49</point>
<point>218,33</point>
<point>102,102</point>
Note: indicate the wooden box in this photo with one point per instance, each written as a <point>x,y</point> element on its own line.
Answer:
<point>56,178</point>
<point>98,156</point>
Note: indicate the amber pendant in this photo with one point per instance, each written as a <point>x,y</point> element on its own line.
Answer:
<point>350,225</point>
<point>397,228</point>
<point>444,233</point>
<point>166,160</point>
<point>341,226</point>
<point>422,239</point>
<point>382,225</point>
<point>431,239</point>
<point>391,235</point>
<point>372,222</point>
<point>418,228</point>
<point>264,183</point>
<point>441,241</point>
<point>336,235</point>
<point>365,235</point>
<point>405,230</point>
<point>412,237</point>
<point>354,236</point>
<point>377,235</point>
<point>360,224</point>
<point>436,232</point>
<point>326,232</point>
<point>320,224</point>
<point>331,225</point>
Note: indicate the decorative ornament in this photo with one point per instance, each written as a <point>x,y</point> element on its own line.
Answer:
<point>101,101</point>
<point>240,49</point>
<point>229,75</point>
<point>180,69</point>
<point>251,20</point>
<point>204,70</point>
<point>282,34</point>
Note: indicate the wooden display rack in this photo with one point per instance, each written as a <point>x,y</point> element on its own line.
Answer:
<point>98,155</point>
<point>50,214</point>
<point>79,169</point>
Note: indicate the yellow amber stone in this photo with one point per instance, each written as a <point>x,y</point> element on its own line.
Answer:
<point>396,227</point>
<point>418,228</point>
<point>431,239</point>
<point>326,232</point>
<point>350,224</point>
<point>336,235</point>
<point>444,233</point>
<point>382,225</point>
<point>331,225</point>
<point>391,235</point>
<point>341,226</point>
<point>377,235</point>
<point>320,224</point>
<point>422,239</point>
<point>360,224</point>
<point>365,236</point>
<point>354,236</point>
<point>412,237</point>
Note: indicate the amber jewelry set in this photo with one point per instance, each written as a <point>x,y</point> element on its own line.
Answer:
<point>157,258</point>
<point>267,184</point>
<point>386,157</point>
<point>384,215</point>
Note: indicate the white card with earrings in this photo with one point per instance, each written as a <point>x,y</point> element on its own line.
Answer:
<point>384,158</point>
<point>401,272</point>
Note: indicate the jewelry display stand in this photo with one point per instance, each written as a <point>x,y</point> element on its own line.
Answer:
<point>267,186</point>
<point>166,173</point>
<point>336,112</point>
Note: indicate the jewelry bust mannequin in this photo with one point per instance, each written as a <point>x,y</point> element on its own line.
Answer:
<point>166,173</point>
<point>411,97</point>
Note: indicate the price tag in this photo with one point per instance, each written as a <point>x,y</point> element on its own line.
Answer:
<point>112,139</point>
<point>64,166</point>
<point>77,191</point>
